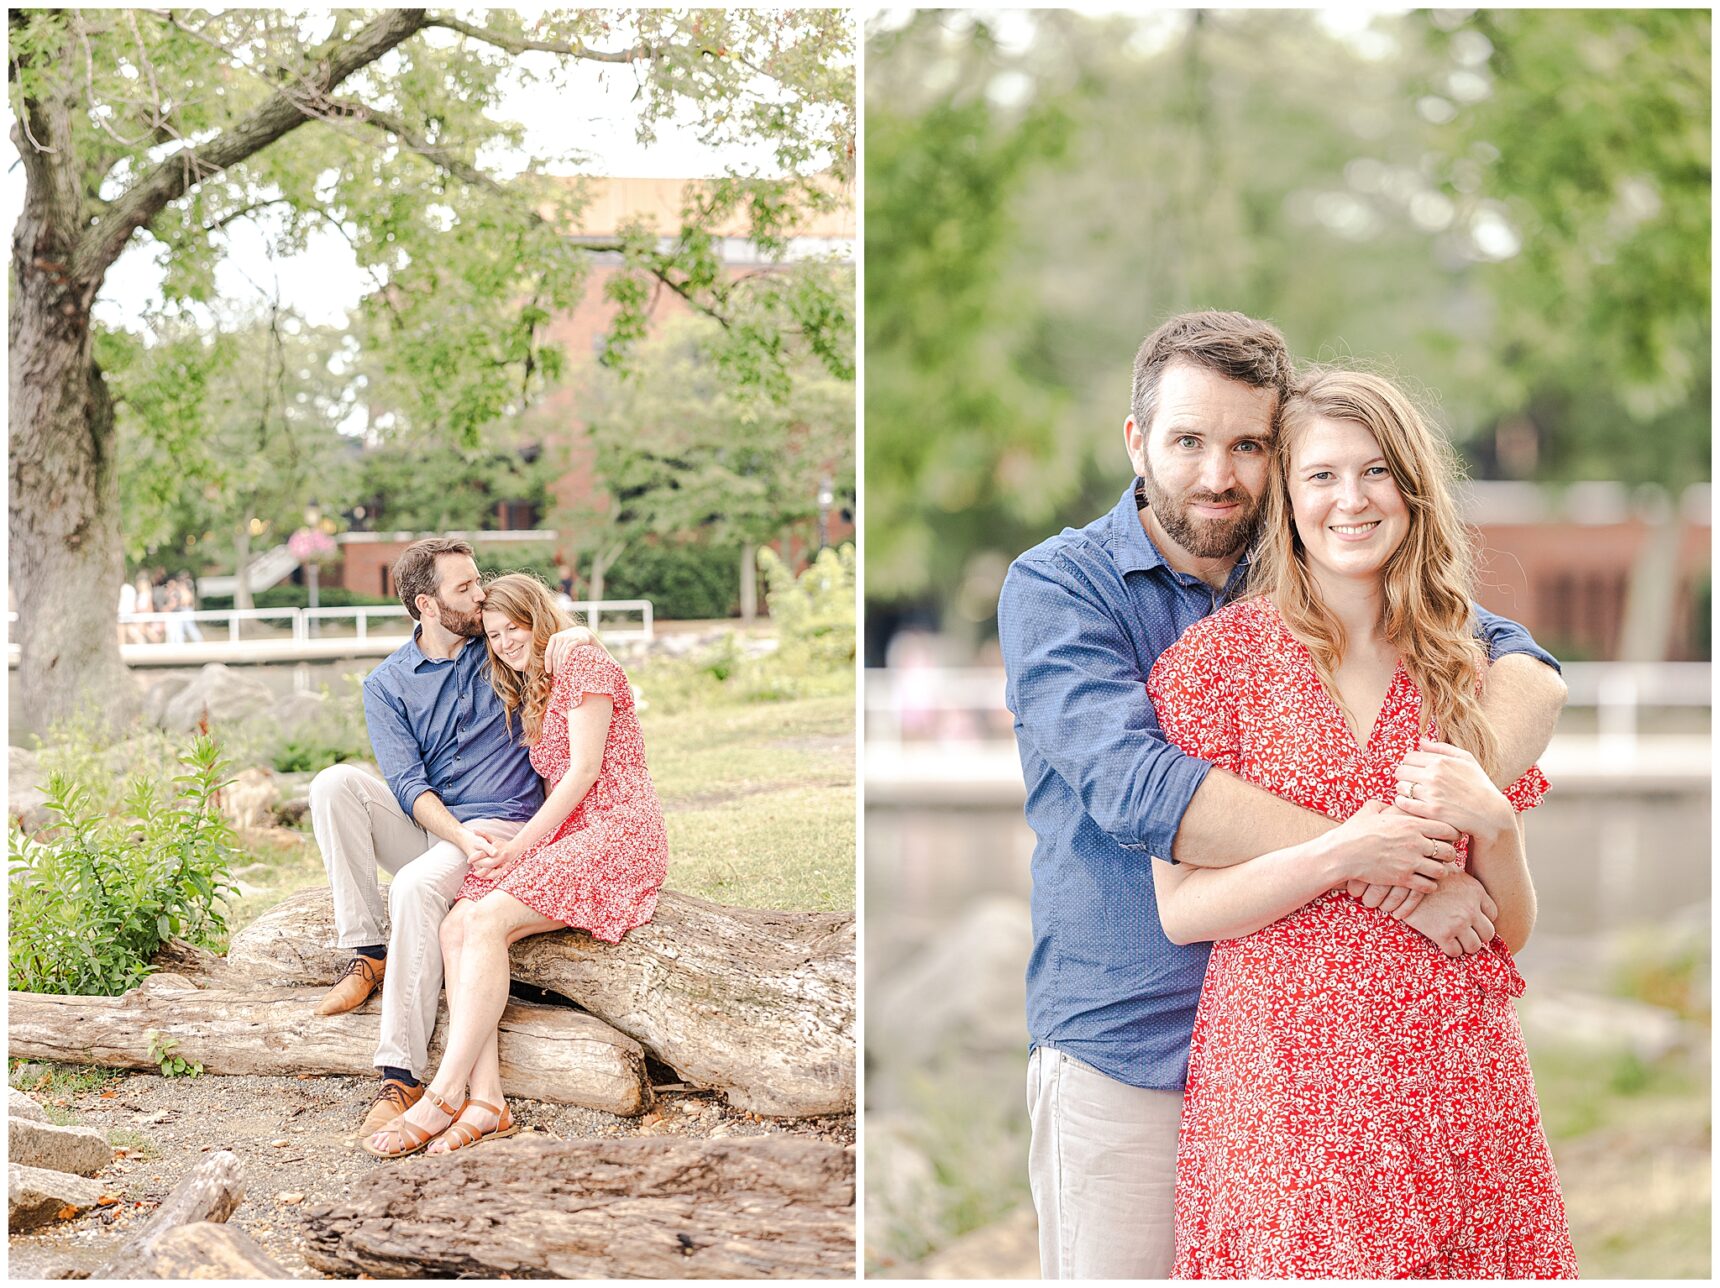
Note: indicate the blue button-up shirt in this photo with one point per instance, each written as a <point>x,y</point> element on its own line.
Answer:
<point>1082,618</point>
<point>436,725</point>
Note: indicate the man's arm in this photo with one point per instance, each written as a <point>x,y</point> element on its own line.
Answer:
<point>1229,821</point>
<point>1522,699</point>
<point>397,755</point>
<point>1523,695</point>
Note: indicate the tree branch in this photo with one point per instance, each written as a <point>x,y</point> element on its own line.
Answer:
<point>283,112</point>
<point>520,45</point>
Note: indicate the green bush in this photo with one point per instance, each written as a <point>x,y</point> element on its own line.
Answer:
<point>92,903</point>
<point>684,582</point>
<point>814,612</point>
<point>335,735</point>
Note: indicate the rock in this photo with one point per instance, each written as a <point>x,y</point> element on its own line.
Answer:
<point>80,1150</point>
<point>160,694</point>
<point>26,800</point>
<point>224,693</point>
<point>248,801</point>
<point>1590,1020</point>
<point>36,1196</point>
<point>18,1105</point>
<point>291,813</point>
<point>296,710</point>
<point>1008,1249</point>
<point>965,993</point>
<point>902,1192</point>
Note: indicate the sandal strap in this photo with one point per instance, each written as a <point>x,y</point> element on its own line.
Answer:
<point>484,1104</point>
<point>468,1135</point>
<point>452,1111</point>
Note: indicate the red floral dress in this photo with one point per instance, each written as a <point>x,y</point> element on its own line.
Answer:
<point>601,869</point>
<point>1359,1105</point>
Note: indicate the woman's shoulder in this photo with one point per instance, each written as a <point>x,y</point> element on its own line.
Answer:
<point>590,669</point>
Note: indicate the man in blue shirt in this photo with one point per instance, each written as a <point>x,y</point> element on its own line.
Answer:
<point>1081,620</point>
<point>459,784</point>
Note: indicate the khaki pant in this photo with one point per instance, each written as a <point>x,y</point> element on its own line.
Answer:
<point>1103,1168</point>
<point>359,827</point>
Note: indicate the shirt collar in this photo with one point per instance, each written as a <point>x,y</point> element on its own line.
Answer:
<point>1134,549</point>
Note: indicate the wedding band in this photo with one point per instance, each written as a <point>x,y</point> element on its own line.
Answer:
<point>1410,792</point>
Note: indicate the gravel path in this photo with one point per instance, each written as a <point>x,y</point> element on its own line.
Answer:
<point>294,1138</point>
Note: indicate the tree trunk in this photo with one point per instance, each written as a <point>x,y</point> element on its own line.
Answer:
<point>626,1209</point>
<point>242,564</point>
<point>209,1194</point>
<point>548,1053</point>
<point>758,1004</point>
<point>1651,594</point>
<point>67,554</point>
<point>749,582</point>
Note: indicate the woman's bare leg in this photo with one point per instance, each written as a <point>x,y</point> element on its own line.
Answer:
<point>476,1000</point>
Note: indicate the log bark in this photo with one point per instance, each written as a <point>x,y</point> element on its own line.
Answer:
<point>646,1209</point>
<point>755,1003</point>
<point>202,1250</point>
<point>210,1194</point>
<point>548,1053</point>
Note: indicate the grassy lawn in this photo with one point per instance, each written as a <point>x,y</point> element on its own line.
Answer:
<point>759,794</point>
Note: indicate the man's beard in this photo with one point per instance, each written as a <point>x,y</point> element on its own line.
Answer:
<point>1204,538</point>
<point>470,625</point>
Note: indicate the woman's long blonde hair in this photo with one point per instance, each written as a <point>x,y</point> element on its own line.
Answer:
<point>527,602</point>
<point>1426,613</point>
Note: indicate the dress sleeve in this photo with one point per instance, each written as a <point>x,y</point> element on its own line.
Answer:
<point>1529,790</point>
<point>587,670</point>
<point>1194,690</point>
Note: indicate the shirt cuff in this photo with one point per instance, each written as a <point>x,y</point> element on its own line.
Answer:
<point>1181,780</point>
<point>408,790</point>
<point>1529,647</point>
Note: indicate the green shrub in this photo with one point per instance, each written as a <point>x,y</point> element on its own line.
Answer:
<point>814,612</point>
<point>92,903</point>
<point>683,581</point>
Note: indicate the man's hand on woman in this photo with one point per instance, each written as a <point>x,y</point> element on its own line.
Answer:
<point>1439,780</point>
<point>562,643</point>
<point>1384,846</point>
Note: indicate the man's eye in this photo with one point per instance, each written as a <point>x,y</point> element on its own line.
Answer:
<point>1188,440</point>
<point>1248,447</point>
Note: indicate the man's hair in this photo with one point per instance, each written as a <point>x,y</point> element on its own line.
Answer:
<point>1234,345</point>
<point>415,570</point>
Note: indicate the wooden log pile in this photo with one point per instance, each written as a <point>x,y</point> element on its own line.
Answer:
<point>188,1238</point>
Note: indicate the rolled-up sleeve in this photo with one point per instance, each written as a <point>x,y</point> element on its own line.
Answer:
<point>1501,635</point>
<point>1080,702</point>
<point>394,745</point>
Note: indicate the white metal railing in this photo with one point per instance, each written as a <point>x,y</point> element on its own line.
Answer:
<point>304,623</point>
<point>965,704</point>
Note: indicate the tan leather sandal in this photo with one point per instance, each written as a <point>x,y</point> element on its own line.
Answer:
<point>410,1134</point>
<point>461,1134</point>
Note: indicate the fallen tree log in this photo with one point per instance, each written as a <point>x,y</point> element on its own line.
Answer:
<point>625,1209</point>
<point>548,1052</point>
<point>209,1194</point>
<point>758,1004</point>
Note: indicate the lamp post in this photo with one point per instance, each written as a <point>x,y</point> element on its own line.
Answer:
<point>826,497</point>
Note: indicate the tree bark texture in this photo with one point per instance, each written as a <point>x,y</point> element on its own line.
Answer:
<point>209,1194</point>
<point>548,1053</point>
<point>758,1004</point>
<point>626,1209</point>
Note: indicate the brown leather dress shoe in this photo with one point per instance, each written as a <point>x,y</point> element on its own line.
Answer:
<point>358,981</point>
<point>394,1099</point>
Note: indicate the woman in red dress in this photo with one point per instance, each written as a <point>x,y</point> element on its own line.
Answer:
<point>593,857</point>
<point>1359,1105</point>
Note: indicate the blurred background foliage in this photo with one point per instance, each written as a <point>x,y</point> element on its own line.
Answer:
<point>1509,209</point>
